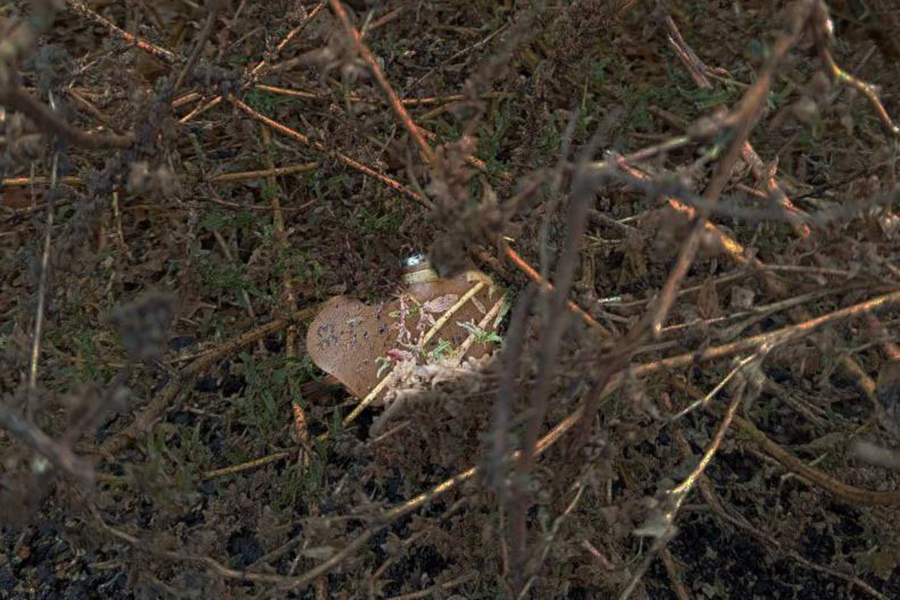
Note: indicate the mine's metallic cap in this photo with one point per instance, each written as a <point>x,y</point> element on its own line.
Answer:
<point>417,269</point>
<point>414,260</point>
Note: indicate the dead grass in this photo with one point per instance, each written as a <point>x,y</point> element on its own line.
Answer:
<point>696,211</point>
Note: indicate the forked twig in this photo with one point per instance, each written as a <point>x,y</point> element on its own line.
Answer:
<point>698,72</point>
<point>824,34</point>
<point>155,408</point>
<point>160,53</point>
<point>58,454</point>
<point>214,9</point>
<point>372,62</point>
<point>258,71</point>
<point>744,118</point>
<point>364,169</point>
<point>42,278</point>
<point>46,119</point>
<point>663,527</point>
<point>556,324</point>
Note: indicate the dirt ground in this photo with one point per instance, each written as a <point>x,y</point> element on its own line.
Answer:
<point>704,406</point>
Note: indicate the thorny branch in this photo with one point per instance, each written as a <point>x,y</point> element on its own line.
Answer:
<point>57,454</point>
<point>17,99</point>
<point>744,118</point>
<point>557,321</point>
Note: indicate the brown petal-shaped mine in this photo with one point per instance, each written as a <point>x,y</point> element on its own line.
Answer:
<point>352,341</point>
<point>346,339</point>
